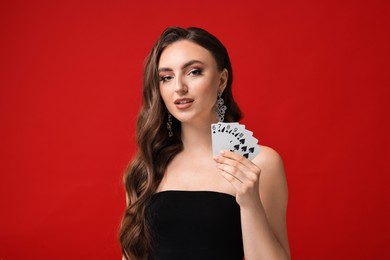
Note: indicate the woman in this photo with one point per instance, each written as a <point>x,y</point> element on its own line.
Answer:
<point>183,203</point>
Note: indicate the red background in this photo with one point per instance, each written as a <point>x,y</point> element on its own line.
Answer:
<point>312,78</point>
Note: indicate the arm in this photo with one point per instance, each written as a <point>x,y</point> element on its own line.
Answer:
<point>261,192</point>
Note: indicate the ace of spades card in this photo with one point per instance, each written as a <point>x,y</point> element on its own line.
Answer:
<point>235,138</point>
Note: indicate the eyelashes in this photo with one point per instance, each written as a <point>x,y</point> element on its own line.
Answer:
<point>165,78</point>
<point>192,73</point>
<point>195,72</point>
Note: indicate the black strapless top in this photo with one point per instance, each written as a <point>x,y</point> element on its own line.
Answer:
<point>201,225</point>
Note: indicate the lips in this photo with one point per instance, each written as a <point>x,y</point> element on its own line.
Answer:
<point>182,103</point>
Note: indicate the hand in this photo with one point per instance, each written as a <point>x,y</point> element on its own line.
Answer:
<point>243,174</point>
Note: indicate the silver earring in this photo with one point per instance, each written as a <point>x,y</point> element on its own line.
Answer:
<point>169,125</point>
<point>220,108</point>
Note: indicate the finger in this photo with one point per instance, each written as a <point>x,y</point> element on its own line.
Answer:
<point>236,182</point>
<point>231,162</point>
<point>251,173</point>
<point>233,171</point>
<point>241,159</point>
<point>233,168</point>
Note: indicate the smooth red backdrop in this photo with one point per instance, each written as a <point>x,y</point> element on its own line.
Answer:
<point>312,78</point>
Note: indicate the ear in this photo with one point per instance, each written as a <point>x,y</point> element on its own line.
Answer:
<point>223,80</point>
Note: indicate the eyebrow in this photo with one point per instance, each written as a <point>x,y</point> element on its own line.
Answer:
<point>186,65</point>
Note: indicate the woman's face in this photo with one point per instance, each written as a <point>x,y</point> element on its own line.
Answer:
<point>189,82</point>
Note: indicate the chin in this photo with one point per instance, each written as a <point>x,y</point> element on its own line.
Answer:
<point>188,118</point>
<point>183,117</point>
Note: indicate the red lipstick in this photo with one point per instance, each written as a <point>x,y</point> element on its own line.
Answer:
<point>183,103</point>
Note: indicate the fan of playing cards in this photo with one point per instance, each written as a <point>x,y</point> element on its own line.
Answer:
<point>235,138</point>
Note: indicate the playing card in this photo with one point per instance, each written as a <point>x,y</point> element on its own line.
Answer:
<point>234,137</point>
<point>223,136</point>
<point>248,147</point>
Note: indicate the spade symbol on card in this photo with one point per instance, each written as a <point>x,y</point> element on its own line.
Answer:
<point>234,137</point>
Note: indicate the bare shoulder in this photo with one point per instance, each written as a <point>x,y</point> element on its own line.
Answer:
<point>273,192</point>
<point>269,160</point>
<point>273,183</point>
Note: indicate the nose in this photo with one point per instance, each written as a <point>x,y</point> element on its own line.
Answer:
<point>181,86</point>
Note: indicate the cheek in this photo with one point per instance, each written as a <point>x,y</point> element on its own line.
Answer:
<point>211,91</point>
<point>212,100</point>
<point>210,95</point>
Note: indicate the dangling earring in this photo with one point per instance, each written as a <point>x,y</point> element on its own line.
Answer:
<point>169,125</point>
<point>220,108</point>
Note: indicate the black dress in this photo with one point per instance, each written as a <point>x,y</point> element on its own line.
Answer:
<point>197,225</point>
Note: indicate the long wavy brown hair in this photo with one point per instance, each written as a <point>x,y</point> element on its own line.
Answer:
<point>155,148</point>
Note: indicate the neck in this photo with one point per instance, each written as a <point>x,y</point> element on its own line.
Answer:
<point>197,137</point>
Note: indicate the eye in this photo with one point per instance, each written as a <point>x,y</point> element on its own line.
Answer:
<point>195,72</point>
<point>166,78</point>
